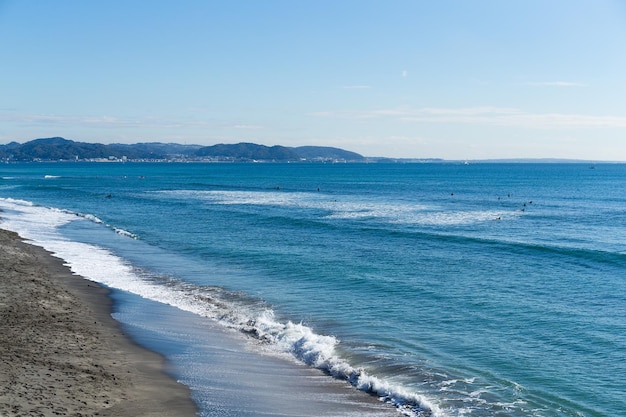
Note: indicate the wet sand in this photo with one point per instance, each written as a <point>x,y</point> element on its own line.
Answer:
<point>61,352</point>
<point>231,375</point>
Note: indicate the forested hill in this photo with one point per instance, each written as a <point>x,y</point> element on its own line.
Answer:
<point>60,149</point>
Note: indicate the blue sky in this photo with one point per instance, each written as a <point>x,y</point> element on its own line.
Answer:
<point>465,79</point>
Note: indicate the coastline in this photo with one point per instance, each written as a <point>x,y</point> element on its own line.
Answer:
<point>61,351</point>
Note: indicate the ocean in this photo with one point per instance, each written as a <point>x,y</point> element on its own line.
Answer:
<point>441,289</point>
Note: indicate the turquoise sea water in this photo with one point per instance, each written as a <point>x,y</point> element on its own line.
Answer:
<point>445,289</point>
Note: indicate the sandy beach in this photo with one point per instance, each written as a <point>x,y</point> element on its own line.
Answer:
<point>62,354</point>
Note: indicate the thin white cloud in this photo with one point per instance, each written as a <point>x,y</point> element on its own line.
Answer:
<point>329,114</point>
<point>435,111</point>
<point>123,128</point>
<point>47,119</point>
<point>100,122</point>
<point>556,84</point>
<point>488,116</point>
<point>508,118</point>
<point>248,127</point>
<point>355,87</point>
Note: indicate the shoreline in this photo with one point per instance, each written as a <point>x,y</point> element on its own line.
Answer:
<point>62,353</point>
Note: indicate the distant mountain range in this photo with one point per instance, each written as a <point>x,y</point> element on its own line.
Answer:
<point>60,149</point>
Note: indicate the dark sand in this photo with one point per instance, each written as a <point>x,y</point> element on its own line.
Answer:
<point>62,354</point>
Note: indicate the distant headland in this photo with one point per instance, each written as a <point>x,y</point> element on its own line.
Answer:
<point>61,149</point>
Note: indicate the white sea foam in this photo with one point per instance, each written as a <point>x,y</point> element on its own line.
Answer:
<point>70,215</point>
<point>455,218</point>
<point>40,224</point>
<point>17,202</point>
<point>125,233</point>
<point>345,208</point>
<point>91,217</point>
